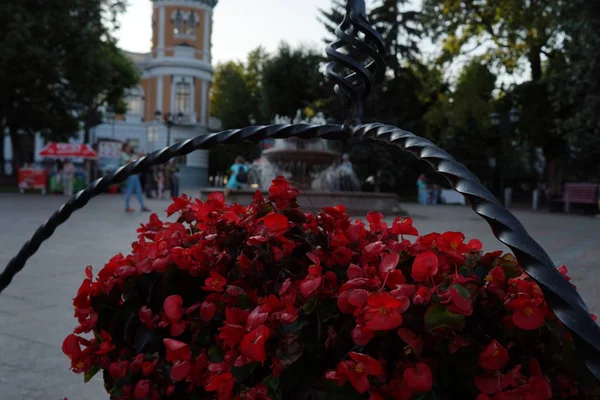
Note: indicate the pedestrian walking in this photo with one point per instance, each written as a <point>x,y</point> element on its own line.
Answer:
<point>132,185</point>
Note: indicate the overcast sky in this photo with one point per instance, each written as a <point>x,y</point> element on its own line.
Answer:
<point>239,26</point>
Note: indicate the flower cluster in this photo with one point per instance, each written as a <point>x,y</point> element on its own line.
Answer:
<point>269,302</point>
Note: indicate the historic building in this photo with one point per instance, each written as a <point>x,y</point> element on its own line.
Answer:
<point>176,78</point>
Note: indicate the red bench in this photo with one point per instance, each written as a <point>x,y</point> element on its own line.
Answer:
<point>579,193</point>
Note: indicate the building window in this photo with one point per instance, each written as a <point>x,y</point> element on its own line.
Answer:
<point>192,23</point>
<point>183,91</point>
<point>178,23</point>
<point>181,160</point>
<point>135,102</point>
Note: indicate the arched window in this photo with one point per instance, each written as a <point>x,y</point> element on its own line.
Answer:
<point>192,23</point>
<point>135,101</point>
<point>183,91</point>
<point>178,23</point>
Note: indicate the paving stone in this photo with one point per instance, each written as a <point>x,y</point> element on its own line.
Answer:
<point>36,311</point>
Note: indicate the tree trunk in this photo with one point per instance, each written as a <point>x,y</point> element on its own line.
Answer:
<point>535,62</point>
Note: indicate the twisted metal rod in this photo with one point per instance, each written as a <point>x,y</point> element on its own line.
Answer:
<point>357,37</point>
<point>560,295</point>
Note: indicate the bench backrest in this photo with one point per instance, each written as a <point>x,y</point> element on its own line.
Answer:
<point>584,192</point>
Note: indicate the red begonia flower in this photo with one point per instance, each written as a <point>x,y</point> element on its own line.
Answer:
<point>253,344</point>
<point>180,370</point>
<point>383,311</point>
<point>215,282</point>
<point>173,307</point>
<point>176,350</point>
<point>358,370</point>
<point>142,389</point>
<point>494,357</point>
<point>424,266</point>
<point>389,262</point>
<point>404,226</point>
<point>419,378</point>
<point>118,369</point>
<point>276,223</point>
<point>222,384</point>
<point>528,315</point>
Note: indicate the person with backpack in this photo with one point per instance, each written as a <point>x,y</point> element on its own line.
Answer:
<point>238,176</point>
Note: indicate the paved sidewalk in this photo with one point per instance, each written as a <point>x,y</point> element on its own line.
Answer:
<point>36,310</point>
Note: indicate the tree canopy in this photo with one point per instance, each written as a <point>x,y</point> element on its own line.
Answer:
<point>59,64</point>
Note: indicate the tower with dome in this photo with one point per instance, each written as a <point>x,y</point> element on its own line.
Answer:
<point>176,76</point>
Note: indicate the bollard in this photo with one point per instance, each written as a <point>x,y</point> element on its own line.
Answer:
<point>508,197</point>
<point>535,201</point>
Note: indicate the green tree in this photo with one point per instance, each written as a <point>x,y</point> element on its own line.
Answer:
<point>102,81</point>
<point>458,122</point>
<point>512,31</point>
<point>577,87</point>
<point>231,99</point>
<point>41,76</point>
<point>291,81</point>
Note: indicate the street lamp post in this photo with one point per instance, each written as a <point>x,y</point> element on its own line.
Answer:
<point>168,120</point>
<point>110,117</point>
<point>504,126</point>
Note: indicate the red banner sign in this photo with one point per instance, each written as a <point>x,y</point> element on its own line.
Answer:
<point>29,178</point>
<point>68,150</point>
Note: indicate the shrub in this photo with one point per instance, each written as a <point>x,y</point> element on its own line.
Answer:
<point>269,302</point>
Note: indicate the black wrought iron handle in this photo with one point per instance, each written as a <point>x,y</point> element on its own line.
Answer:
<point>560,295</point>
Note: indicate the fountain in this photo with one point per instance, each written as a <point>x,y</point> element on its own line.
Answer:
<point>316,169</point>
<point>309,164</point>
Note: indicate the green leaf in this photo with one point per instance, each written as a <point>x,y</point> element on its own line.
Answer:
<point>272,385</point>
<point>310,305</point>
<point>242,373</point>
<point>438,316</point>
<point>91,372</point>
<point>215,355</point>
<point>462,291</point>
<point>295,327</point>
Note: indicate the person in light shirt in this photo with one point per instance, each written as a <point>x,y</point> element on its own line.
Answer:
<point>132,184</point>
<point>68,176</point>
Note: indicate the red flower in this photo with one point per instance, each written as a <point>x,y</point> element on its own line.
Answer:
<point>424,266</point>
<point>276,223</point>
<point>528,313</point>
<point>383,311</point>
<point>173,307</point>
<point>180,370</point>
<point>215,282</point>
<point>389,262</point>
<point>179,204</point>
<point>494,357</point>
<point>418,378</point>
<point>207,310</point>
<point>358,370</point>
<point>282,193</point>
<point>71,348</point>
<point>404,226</point>
<point>412,339</point>
<point>222,384</point>
<point>312,282</point>
<point>118,369</point>
<point>142,389</point>
<point>361,335</point>
<point>176,350</point>
<point>422,296</point>
<point>253,344</point>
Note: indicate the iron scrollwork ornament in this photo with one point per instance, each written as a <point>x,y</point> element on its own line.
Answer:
<point>363,54</point>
